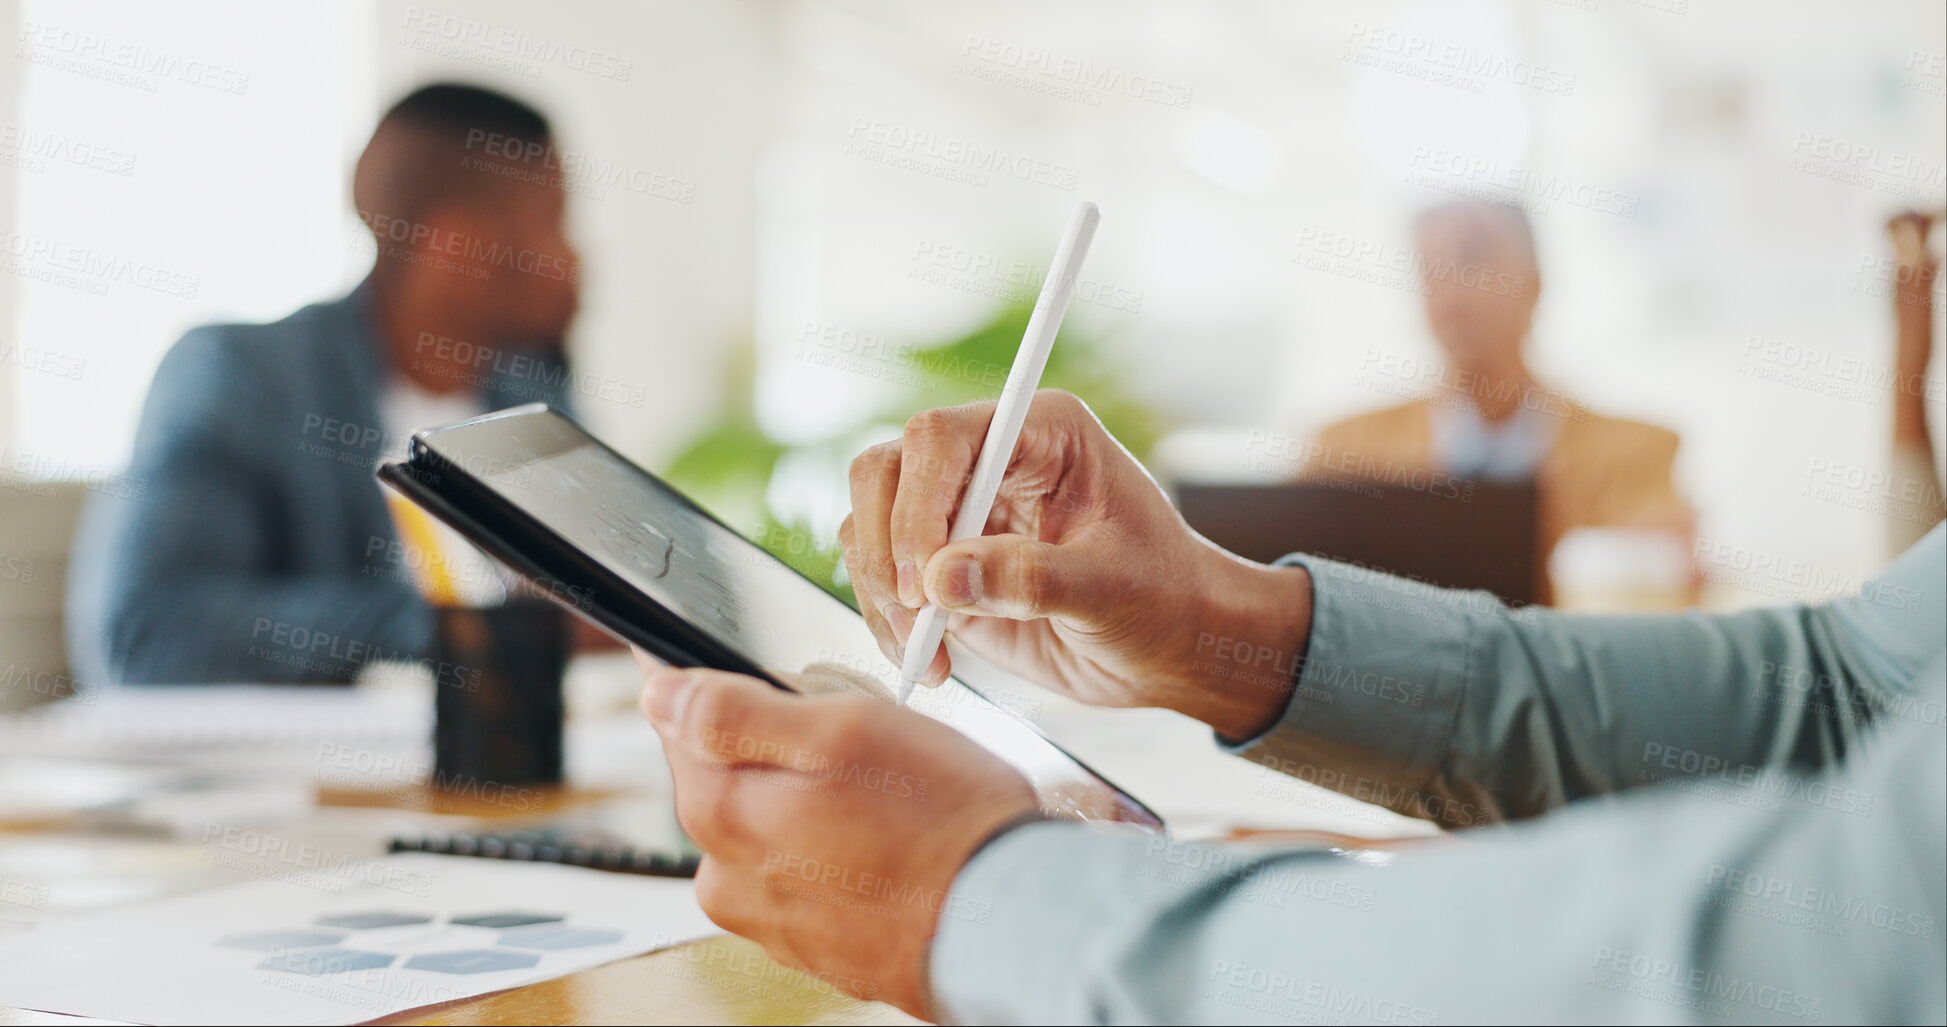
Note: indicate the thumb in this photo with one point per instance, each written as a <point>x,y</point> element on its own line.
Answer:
<point>1013,576</point>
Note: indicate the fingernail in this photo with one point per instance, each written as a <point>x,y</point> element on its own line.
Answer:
<point>960,582</point>
<point>900,620</point>
<point>908,581</point>
<point>669,692</point>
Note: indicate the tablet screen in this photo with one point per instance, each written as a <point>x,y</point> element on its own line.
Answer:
<point>727,587</point>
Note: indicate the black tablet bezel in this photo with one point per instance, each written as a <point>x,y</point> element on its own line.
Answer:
<point>575,580</point>
<point>583,584</point>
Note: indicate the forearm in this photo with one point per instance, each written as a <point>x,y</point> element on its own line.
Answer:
<point>1449,706</point>
<point>1913,307</point>
<point>1918,482</point>
<point>1910,418</point>
<point>1910,394</point>
<point>1666,907</point>
<point>1915,502</point>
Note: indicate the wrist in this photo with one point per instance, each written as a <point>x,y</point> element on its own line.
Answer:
<point>1249,635</point>
<point>1913,289</point>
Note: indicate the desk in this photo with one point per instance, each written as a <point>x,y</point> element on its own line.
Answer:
<point>717,980</point>
<point>674,986</point>
<point>686,984</point>
<point>1166,760</point>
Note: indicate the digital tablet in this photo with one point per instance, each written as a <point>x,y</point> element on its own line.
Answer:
<point>621,547</point>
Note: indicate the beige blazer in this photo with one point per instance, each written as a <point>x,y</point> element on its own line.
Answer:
<point>1601,471</point>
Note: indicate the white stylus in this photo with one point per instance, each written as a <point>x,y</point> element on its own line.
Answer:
<point>1005,429</point>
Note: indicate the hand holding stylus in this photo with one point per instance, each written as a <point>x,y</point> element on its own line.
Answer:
<point>1005,427</point>
<point>1087,582</point>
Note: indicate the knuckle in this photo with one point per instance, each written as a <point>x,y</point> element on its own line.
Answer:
<point>908,515</point>
<point>709,817</point>
<point>716,716</point>
<point>711,889</point>
<point>931,476</point>
<point>722,815</point>
<point>875,464</point>
<point>718,896</point>
<point>921,489</point>
<point>1061,401</point>
<point>930,425</point>
<point>1033,578</point>
<point>869,565</point>
<point>697,812</point>
<point>642,700</point>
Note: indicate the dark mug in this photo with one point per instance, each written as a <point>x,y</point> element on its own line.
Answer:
<point>498,715</point>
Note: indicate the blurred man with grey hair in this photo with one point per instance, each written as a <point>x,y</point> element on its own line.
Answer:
<point>1487,417</point>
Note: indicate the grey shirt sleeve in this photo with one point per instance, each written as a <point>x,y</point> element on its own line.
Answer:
<point>1816,901</point>
<point>1788,868</point>
<point>1449,706</point>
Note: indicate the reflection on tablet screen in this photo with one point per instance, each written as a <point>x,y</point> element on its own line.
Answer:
<point>732,590</point>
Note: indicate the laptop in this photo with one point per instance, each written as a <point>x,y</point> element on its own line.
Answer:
<point>1460,535</point>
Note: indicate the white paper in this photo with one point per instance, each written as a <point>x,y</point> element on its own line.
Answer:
<point>123,719</point>
<point>280,952</point>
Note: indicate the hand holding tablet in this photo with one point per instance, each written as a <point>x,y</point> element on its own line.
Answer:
<point>622,548</point>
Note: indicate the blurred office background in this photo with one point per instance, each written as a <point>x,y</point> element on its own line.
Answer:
<point>777,200</point>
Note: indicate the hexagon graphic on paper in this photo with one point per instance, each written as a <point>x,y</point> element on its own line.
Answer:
<point>554,937</point>
<point>293,938</point>
<point>372,920</point>
<point>318,962</point>
<point>472,961</point>
<point>511,918</point>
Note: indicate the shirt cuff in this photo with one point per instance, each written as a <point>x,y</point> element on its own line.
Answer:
<point>1386,668</point>
<point>1028,914</point>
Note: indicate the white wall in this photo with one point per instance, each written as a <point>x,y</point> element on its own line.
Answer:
<point>667,282</point>
<point>1683,124</point>
<point>169,171</point>
<point>239,196</point>
<point>9,189</point>
<point>1266,127</point>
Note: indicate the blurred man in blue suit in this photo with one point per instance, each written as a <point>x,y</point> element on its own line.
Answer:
<point>262,548</point>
